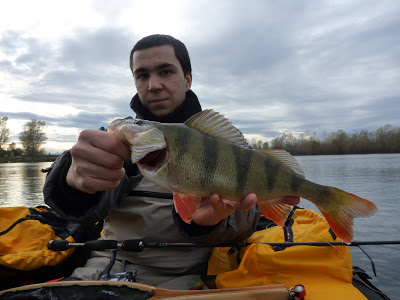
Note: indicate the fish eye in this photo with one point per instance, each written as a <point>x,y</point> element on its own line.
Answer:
<point>138,122</point>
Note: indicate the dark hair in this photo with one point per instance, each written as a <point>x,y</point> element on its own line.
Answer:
<point>155,40</point>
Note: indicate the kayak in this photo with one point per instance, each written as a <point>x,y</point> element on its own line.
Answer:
<point>109,290</point>
<point>271,263</point>
<point>130,290</point>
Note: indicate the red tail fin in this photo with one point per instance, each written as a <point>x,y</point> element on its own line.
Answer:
<point>342,210</point>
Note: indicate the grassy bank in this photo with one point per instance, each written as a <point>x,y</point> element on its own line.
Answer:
<point>15,159</point>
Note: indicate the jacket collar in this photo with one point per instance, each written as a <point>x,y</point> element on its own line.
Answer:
<point>188,108</point>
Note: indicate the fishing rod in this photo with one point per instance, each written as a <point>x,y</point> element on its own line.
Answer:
<point>137,245</point>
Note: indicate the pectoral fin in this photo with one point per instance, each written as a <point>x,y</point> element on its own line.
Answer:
<point>278,209</point>
<point>186,206</point>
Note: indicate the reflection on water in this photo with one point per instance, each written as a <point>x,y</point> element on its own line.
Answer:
<point>22,183</point>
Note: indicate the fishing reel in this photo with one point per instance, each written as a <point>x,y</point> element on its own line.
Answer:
<point>126,276</point>
<point>114,246</point>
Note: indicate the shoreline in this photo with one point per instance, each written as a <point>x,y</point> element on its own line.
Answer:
<point>24,159</point>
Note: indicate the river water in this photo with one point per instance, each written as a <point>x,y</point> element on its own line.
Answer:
<point>375,177</point>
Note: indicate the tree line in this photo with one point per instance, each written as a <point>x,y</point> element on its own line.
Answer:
<point>385,139</point>
<point>32,138</point>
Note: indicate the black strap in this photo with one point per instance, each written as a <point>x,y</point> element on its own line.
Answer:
<point>151,194</point>
<point>27,218</point>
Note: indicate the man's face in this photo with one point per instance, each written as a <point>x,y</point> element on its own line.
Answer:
<point>159,79</point>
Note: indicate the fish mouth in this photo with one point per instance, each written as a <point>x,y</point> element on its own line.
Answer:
<point>154,160</point>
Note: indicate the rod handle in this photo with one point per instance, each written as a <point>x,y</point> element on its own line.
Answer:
<point>58,245</point>
<point>133,245</point>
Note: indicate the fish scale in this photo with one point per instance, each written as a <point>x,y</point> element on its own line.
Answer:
<point>208,155</point>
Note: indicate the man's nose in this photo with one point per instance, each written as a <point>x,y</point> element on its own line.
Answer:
<point>155,83</point>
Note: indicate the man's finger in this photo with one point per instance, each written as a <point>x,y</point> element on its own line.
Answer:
<point>243,205</point>
<point>106,142</point>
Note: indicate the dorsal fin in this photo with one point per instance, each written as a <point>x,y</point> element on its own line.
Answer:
<point>285,158</point>
<point>213,124</point>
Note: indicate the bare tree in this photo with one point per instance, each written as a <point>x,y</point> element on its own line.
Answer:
<point>4,131</point>
<point>33,137</point>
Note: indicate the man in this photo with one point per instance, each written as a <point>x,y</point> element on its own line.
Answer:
<point>95,180</point>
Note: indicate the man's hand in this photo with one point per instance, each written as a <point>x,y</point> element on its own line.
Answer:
<point>97,162</point>
<point>214,209</point>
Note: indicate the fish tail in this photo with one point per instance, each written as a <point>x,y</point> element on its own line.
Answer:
<point>343,207</point>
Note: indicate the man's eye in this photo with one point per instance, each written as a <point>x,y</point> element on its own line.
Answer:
<point>166,72</point>
<point>142,76</point>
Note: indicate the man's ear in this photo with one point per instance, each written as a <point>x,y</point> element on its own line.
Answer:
<point>188,79</point>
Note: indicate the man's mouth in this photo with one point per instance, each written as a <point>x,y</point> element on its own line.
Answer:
<point>159,100</point>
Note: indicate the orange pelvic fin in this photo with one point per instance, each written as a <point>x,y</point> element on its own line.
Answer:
<point>276,210</point>
<point>342,210</point>
<point>186,206</point>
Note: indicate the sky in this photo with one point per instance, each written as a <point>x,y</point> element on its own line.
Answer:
<point>271,67</point>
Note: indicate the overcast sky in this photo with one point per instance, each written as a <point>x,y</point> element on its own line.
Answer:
<point>269,66</point>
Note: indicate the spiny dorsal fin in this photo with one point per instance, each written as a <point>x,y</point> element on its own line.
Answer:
<point>213,124</point>
<point>285,158</point>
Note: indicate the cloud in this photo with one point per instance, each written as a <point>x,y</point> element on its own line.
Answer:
<point>88,65</point>
<point>270,67</point>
